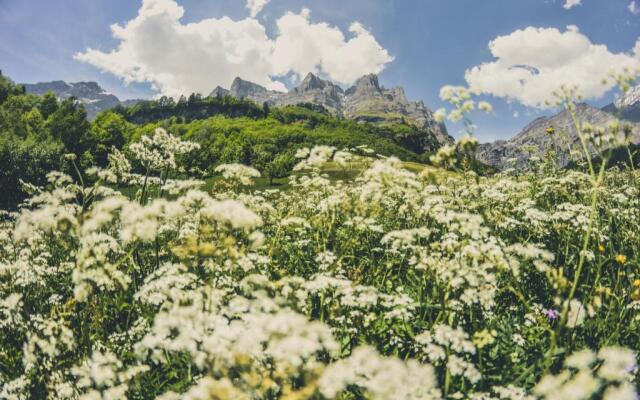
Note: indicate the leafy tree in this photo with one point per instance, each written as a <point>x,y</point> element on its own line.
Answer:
<point>15,107</point>
<point>8,88</point>
<point>280,167</point>
<point>166,102</point>
<point>35,125</point>
<point>238,150</point>
<point>195,107</point>
<point>262,154</point>
<point>48,104</point>
<point>69,125</point>
<point>29,162</point>
<point>4,89</point>
<point>108,130</point>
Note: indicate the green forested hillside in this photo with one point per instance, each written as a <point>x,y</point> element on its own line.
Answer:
<point>35,133</point>
<point>256,142</point>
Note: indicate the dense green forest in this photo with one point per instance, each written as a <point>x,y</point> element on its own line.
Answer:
<point>36,132</point>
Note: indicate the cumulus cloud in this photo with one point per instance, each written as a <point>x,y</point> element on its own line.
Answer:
<point>569,4</point>
<point>302,47</point>
<point>179,58</point>
<point>633,8</point>
<point>532,63</point>
<point>255,6</point>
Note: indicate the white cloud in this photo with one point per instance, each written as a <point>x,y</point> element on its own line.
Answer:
<point>569,4</point>
<point>633,8</point>
<point>180,58</point>
<point>184,58</point>
<point>532,63</point>
<point>302,47</point>
<point>255,6</point>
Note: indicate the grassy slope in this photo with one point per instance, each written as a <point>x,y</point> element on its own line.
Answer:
<point>216,132</point>
<point>332,170</point>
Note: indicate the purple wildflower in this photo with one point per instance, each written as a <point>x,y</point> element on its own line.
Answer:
<point>551,314</point>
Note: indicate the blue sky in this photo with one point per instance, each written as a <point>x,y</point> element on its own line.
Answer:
<point>432,42</point>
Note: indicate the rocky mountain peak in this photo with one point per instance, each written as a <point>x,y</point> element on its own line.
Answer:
<point>630,99</point>
<point>318,91</point>
<point>243,89</point>
<point>311,82</point>
<point>365,101</point>
<point>534,139</point>
<point>94,98</point>
<point>219,92</point>
<point>366,85</point>
<point>91,86</point>
<point>41,88</point>
<point>627,106</point>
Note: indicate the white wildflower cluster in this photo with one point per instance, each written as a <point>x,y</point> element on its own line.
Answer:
<point>11,311</point>
<point>159,152</point>
<point>342,157</point>
<point>448,155</point>
<point>396,285</point>
<point>452,348</point>
<point>445,156</point>
<point>47,342</point>
<point>607,375</point>
<point>509,392</point>
<point>352,309</point>
<point>460,98</point>
<point>576,313</point>
<point>317,156</point>
<point>157,157</point>
<point>103,376</point>
<point>381,378</point>
<point>462,103</point>
<point>238,173</point>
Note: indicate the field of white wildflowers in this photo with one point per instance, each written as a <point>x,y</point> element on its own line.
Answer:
<point>396,285</point>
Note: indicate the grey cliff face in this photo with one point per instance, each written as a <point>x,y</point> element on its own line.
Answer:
<point>219,92</point>
<point>368,85</point>
<point>534,140</point>
<point>365,101</point>
<point>627,106</point>
<point>245,89</point>
<point>94,98</point>
<point>317,91</point>
<point>368,101</point>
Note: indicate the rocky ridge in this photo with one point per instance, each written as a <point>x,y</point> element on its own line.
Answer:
<point>94,98</point>
<point>534,140</point>
<point>365,101</point>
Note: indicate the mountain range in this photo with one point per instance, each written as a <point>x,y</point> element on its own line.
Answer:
<point>534,140</point>
<point>368,101</point>
<point>94,98</point>
<point>365,101</point>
